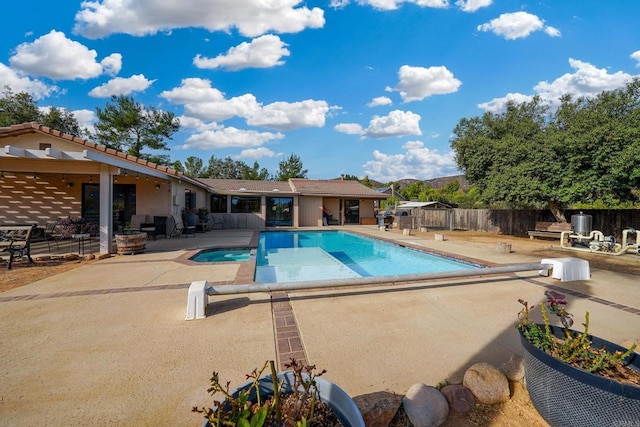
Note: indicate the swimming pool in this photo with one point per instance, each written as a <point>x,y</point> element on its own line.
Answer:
<point>222,255</point>
<point>292,256</point>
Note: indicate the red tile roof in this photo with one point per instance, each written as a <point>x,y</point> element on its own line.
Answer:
<point>33,127</point>
<point>242,185</point>
<point>331,187</point>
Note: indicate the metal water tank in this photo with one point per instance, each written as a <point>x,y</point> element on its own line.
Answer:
<point>581,224</point>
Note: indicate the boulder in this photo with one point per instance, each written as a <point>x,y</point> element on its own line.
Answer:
<point>514,368</point>
<point>487,383</point>
<point>459,397</point>
<point>425,406</point>
<point>379,408</point>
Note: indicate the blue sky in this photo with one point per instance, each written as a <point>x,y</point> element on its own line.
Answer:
<point>360,87</point>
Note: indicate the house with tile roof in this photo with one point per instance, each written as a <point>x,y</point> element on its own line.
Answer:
<point>46,175</point>
<point>295,203</point>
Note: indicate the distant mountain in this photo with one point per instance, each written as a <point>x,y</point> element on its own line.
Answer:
<point>437,183</point>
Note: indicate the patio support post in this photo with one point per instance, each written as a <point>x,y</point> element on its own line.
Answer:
<point>106,209</point>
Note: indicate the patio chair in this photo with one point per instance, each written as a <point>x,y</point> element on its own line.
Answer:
<point>228,221</point>
<point>181,228</point>
<point>157,228</point>
<point>137,221</point>
<point>51,234</point>
<point>216,222</point>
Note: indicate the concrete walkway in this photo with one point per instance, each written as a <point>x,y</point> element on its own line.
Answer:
<point>107,343</point>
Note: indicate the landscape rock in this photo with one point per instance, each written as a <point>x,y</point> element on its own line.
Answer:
<point>104,256</point>
<point>487,383</point>
<point>379,408</point>
<point>514,368</point>
<point>89,257</point>
<point>460,398</point>
<point>425,406</point>
<point>72,257</point>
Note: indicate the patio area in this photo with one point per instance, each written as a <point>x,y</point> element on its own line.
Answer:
<point>107,343</point>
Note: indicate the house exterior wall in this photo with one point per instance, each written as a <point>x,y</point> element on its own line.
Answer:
<point>310,211</point>
<point>367,208</point>
<point>25,199</point>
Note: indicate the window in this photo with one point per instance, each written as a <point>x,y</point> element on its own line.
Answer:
<point>218,203</point>
<point>44,146</point>
<point>245,204</point>
<point>189,200</point>
<point>279,211</point>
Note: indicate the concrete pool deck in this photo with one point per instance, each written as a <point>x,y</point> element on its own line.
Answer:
<point>107,343</point>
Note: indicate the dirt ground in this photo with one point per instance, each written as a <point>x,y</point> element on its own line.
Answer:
<point>518,411</point>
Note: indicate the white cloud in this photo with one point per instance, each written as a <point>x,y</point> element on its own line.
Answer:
<point>257,153</point>
<point>380,100</point>
<point>86,119</point>
<point>18,83</point>
<point>204,102</point>
<point>57,57</point>
<point>252,18</point>
<point>338,4</point>
<point>121,86</point>
<point>290,115</point>
<point>228,137</point>
<point>349,128</point>
<point>636,55</point>
<point>552,31</point>
<point>397,123</point>
<point>472,5</point>
<point>500,104</point>
<point>394,4</point>
<point>417,161</point>
<point>517,25</point>
<point>262,52</point>
<point>586,80</point>
<point>417,83</point>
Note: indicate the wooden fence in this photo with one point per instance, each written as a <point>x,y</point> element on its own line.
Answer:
<point>518,222</point>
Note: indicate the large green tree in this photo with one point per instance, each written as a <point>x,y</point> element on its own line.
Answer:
<point>255,173</point>
<point>127,125</point>
<point>194,167</point>
<point>290,167</point>
<point>529,155</point>
<point>17,108</point>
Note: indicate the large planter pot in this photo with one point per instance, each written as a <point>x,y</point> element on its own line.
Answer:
<point>340,402</point>
<point>568,396</point>
<point>129,244</point>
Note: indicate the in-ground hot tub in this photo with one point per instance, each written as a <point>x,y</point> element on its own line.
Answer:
<point>224,255</point>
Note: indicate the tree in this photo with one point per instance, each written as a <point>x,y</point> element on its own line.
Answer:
<point>225,168</point>
<point>582,152</point>
<point>62,120</point>
<point>22,108</point>
<point>255,173</point>
<point>290,168</point>
<point>194,168</point>
<point>126,125</point>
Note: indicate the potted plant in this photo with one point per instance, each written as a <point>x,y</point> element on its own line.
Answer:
<point>202,214</point>
<point>296,397</point>
<point>573,378</point>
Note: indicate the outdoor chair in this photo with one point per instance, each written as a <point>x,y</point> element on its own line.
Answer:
<point>137,221</point>
<point>157,228</point>
<point>228,221</point>
<point>181,228</point>
<point>51,234</point>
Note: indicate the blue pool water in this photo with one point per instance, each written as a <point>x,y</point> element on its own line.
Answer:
<point>291,256</point>
<point>222,255</point>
